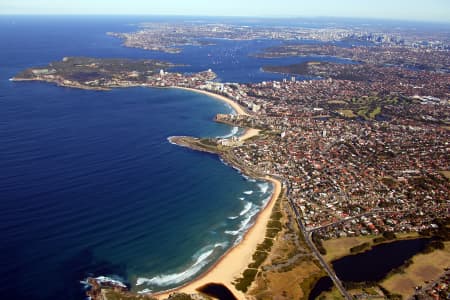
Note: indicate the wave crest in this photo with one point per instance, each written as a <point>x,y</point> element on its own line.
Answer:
<point>247,207</point>
<point>245,224</point>
<point>248,178</point>
<point>263,187</point>
<point>233,132</point>
<point>203,257</point>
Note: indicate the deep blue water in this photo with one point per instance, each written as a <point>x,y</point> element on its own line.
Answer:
<point>89,184</point>
<point>375,264</point>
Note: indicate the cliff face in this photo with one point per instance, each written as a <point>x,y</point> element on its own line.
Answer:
<point>105,289</point>
<point>98,288</point>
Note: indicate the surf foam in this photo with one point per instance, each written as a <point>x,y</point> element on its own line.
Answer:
<point>263,187</point>
<point>202,258</point>
<point>248,178</point>
<point>233,132</point>
<point>245,224</point>
<point>247,207</point>
<point>109,280</point>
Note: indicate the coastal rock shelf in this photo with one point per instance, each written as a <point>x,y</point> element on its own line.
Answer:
<point>204,145</point>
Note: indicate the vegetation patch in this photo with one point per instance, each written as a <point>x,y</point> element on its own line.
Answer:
<point>360,248</point>
<point>266,245</point>
<point>309,283</point>
<point>347,113</point>
<point>258,259</point>
<point>387,236</point>
<point>247,278</point>
<point>375,112</point>
<point>274,224</point>
<point>115,295</point>
<point>319,245</point>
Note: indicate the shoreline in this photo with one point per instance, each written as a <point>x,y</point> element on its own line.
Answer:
<point>235,106</point>
<point>236,259</point>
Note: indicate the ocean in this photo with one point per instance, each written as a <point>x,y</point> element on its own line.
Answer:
<point>90,185</point>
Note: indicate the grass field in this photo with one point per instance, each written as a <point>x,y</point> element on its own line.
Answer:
<point>337,102</point>
<point>334,294</point>
<point>446,174</point>
<point>425,267</point>
<point>337,248</point>
<point>348,113</point>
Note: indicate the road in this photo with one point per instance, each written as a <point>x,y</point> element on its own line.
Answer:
<point>323,263</point>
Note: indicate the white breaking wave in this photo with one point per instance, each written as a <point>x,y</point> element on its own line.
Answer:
<point>265,201</point>
<point>263,187</point>
<point>248,192</point>
<point>168,139</point>
<point>202,259</point>
<point>233,218</point>
<point>104,279</point>
<point>233,132</point>
<point>244,225</point>
<point>246,221</point>
<point>144,291</point>
<point>241,198</point>
<point>247,207</point>
<point>232,232</point>
<point>248,178</point>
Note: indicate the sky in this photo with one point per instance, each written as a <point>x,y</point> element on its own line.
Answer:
<point>417,10</point>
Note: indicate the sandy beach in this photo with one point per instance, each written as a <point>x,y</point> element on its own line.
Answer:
<point>234,262</point>
<point>249,133</point>
<point>239,109</point>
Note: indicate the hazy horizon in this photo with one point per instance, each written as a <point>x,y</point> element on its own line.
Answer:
<point>435,11</point>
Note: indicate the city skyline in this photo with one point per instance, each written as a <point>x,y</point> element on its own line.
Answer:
<point>430,11</point>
